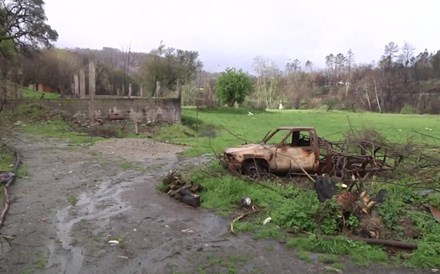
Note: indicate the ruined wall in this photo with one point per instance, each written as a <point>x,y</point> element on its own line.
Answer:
<point>137,109</point>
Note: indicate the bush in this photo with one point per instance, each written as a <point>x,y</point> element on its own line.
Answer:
<point>298,213</point>
<point>233,86</point>
<point>407,109</point>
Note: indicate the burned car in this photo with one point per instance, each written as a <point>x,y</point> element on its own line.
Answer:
<point>299,150</point>
<point>285,149</point>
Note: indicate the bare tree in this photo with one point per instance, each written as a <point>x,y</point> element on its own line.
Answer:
<point>293,66</point>
<point>267,80</point>
<point>340,61</point>
<point>309,66</point>
<point>390,52</point>
<point>329,62</point>
<point>350,61</point>
<point>406,57</point>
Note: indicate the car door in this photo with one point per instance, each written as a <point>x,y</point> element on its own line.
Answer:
<point>296,152</point>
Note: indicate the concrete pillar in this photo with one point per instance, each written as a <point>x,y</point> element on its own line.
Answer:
<point>129,90</point>
<point>92,86</point>
<point>82,84</point>
<point>76,85</point>
<point>141,92</point>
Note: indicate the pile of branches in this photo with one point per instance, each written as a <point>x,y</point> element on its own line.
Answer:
<point>7,178</point>
<point>186,192</point>
<point>360,155</point>
<point>417,158</point>
<point>422,162</point>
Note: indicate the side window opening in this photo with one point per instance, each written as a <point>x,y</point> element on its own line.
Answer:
<point>279,138</point>
<point>301,138</point>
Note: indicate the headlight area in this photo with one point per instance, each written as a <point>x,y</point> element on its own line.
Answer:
<point>231,161</point>
<point>229,157</point>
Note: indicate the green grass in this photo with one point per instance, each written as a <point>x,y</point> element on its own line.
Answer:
<point>126,165</point>
<point>41,262</point>
<point>304,256</point>
<point>39,120</point>
<point>33,94</point>
<point>7,159</point>
<point>72,199</point>
<point>225,191</point>
<point>328,259</point>
<point>209,126</point>
<point>59,129</point>
<point>361,253</point>
<point>296,209</point>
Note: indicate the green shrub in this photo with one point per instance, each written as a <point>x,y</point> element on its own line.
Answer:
<point>360,252</point>
<point>434,199</point>
<point>298,213</point>
<point>407,109</point>
<point>427,253</point>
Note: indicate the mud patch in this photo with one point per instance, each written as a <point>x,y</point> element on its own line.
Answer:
<point>137,149</point>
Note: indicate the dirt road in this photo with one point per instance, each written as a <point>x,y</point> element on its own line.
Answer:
<point>95,209</point>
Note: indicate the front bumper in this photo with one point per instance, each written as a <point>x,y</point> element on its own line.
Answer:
<point>230,162</point>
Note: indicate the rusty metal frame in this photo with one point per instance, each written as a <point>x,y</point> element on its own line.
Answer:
<point>350,160</point>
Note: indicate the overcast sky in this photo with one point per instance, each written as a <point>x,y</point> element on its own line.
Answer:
<point>231,33</point>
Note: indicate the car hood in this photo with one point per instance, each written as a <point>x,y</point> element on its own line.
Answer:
<point>246,149</point>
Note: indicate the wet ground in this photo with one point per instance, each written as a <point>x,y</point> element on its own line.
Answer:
<point>95,209</point>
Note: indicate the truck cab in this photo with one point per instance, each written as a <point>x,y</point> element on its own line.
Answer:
<point>283,150</point>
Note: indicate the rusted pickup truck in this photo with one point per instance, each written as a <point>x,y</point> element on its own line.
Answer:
<point>300,150</point>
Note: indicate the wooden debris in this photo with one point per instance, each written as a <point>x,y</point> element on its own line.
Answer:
<point>435,213</point>
<point>179,189</point>
<point>393,243</point>
<point>241,217</point>
<point>8,178</point>
<point>6,206</point>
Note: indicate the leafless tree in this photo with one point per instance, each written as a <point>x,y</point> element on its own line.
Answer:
<point>406,56</point>
<point>390,52</point>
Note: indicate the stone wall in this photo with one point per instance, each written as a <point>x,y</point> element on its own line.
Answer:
<point>136,109</point>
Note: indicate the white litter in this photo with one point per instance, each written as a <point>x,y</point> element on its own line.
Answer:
<point>113,242</point>
<point>268,219</point>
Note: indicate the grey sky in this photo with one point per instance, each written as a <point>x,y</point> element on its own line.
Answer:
<point>232,33</point>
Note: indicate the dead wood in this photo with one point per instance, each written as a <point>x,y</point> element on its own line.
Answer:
<point>241,217</point>
<point>10,180</point>
<point>393,243</point>
<point>6,206</point>
<point>179,189</point>
<point>235,135</point>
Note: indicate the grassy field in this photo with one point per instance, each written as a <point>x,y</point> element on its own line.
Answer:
<point>33,94</point>
<point>295,208</point>
<point>213,127</point>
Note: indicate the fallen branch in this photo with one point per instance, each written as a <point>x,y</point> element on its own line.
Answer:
<point>6,206</point>
<point>8,239</point>
<point>241,217</point>
<point>235,135</point>
<point>393,243</point>
<point>5,189</point>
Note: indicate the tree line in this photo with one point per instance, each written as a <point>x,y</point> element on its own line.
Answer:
<point>402,80</point>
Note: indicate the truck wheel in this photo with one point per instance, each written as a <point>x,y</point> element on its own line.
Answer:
<point>253,170</point>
